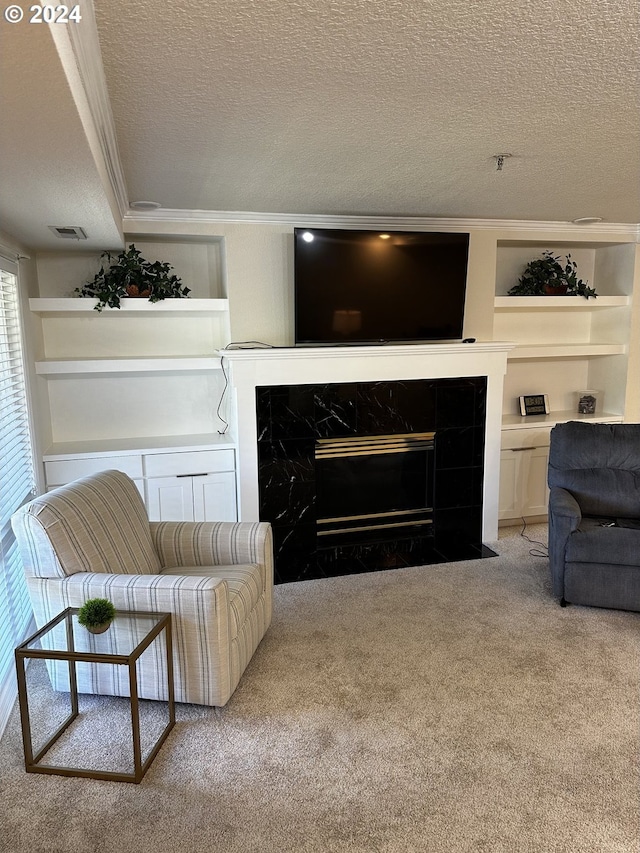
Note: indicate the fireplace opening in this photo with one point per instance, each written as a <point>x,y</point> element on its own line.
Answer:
<point>371,487</point>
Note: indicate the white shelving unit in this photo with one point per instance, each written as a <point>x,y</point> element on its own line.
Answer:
<point>563,344</point>
<point>139,387</point>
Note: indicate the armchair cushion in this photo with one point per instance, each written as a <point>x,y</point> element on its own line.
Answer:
<point>593,543</point>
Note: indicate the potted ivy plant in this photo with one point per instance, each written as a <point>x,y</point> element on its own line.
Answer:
<point>549,276</point>
<point>96,615</point>
<point>129,274</point>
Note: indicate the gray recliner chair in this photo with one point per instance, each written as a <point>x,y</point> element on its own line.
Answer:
<point>594,514</point>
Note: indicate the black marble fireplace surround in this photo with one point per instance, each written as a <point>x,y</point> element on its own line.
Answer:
<point>292,418</point>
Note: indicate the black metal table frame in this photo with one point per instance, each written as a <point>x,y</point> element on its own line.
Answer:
<point>23,653</point>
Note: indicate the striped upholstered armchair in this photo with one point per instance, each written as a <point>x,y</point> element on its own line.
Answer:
<point>92,539</point>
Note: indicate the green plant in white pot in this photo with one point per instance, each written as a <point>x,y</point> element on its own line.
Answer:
<point>96,615</point>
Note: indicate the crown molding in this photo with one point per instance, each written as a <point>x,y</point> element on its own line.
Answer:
<point>79,49</point>
<point>313,220</point>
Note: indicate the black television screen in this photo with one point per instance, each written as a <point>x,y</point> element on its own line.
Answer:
<point>373,286</point>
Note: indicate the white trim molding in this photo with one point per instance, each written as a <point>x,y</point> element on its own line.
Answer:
<point>311,220</point>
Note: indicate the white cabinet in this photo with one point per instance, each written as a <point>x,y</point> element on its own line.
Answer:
<point>206,497</point>
<point>523,482</point>
<point>60,471</point>
<point>191,486</point>
<point>524,460</point>
<point>182,485</point>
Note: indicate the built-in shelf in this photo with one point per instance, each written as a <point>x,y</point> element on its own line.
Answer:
<point>106,366</point>
<point>134,446</point>
<point>553,418</point>
<point>75,307</point>
<point>555,303</point>
<point>561,350</point>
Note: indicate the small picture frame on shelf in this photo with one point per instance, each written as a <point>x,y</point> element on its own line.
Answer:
<point>534,404</point>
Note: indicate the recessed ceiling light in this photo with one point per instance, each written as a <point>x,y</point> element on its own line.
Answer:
<point>307,236</point>
<point>587,220</point>
<point>145,205</point>
<point>385,236</point>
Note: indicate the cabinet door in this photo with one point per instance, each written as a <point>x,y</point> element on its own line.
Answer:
<point>214,497</point>
<point>533,482</point>
<point>509,504</point>
<point>170,499</point>
<point>523,482</point>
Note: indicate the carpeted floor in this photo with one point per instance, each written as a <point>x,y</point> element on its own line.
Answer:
<point>453,707</point>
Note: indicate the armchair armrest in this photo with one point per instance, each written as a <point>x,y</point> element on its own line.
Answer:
<point>564,517</point>
<point>199,607</point>
<point>213,543</point>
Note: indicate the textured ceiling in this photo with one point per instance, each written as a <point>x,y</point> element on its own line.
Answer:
<point>328,107</point>
<point>360,106</point>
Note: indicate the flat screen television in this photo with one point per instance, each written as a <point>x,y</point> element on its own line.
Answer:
<point>374,287</point>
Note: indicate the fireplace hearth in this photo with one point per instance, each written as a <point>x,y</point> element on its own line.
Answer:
<point>367,476</point>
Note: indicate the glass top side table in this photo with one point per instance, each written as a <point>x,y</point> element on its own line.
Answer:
<point>64,639</point>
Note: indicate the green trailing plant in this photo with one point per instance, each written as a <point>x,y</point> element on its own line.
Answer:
<point>549,275</point>
<point>96,612</point>
<point>129,274</point>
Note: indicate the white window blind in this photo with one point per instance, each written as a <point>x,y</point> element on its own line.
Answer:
<point>16,474</point>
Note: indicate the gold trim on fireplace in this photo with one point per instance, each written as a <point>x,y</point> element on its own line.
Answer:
<point>374,527</point>
<point>390,514</point>
<point>366,445</point>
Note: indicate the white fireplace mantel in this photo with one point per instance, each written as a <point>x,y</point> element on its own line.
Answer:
<point>252,368</point>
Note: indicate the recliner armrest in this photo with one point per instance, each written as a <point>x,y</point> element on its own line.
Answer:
<point>562,503</point>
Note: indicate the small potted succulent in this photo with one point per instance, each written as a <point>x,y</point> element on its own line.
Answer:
<point>96,615</point>
<point>129,274</point>
<point>548,276</point>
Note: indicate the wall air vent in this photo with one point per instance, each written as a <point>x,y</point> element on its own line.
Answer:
<point>68,232</point>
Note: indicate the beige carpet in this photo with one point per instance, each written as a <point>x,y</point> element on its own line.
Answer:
<point>449,708</point>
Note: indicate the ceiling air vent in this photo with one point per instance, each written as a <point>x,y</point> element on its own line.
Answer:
<point>68,232</point>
